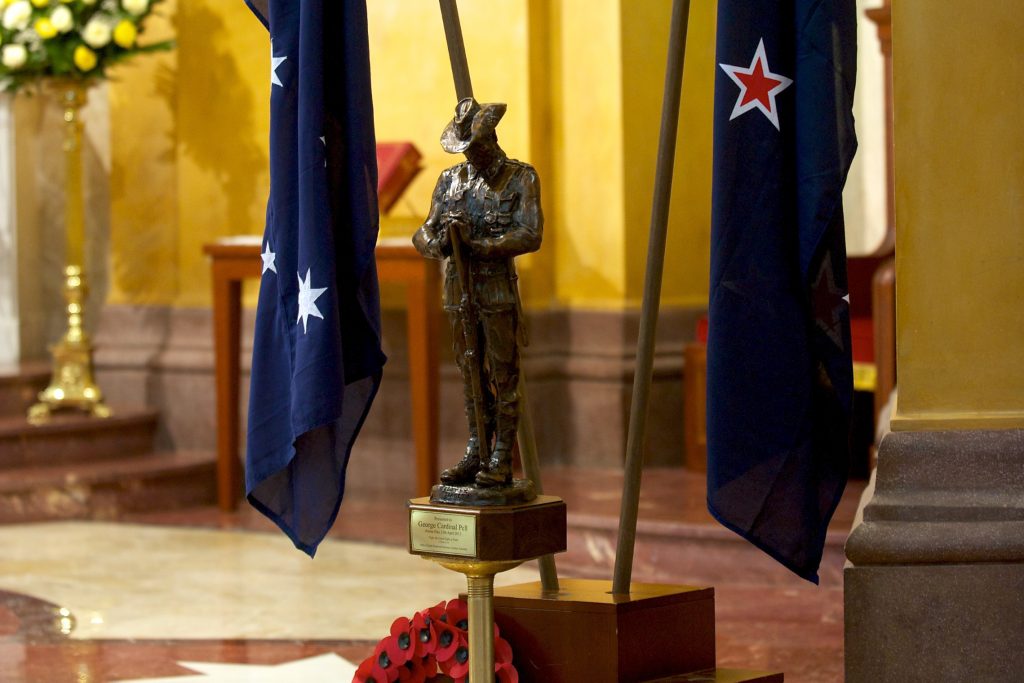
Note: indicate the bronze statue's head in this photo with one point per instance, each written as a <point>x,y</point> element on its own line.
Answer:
<point>473,122</point>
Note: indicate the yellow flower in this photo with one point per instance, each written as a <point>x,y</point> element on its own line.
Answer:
<point>85,59</point>
<point>125,33</point>
<point>40,3</point>
<point>45,28</point>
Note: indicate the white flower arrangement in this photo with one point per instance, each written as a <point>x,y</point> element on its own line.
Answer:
<point>71,39</point>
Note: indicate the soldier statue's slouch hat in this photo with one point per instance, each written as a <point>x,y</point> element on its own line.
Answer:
<point>472,121</point>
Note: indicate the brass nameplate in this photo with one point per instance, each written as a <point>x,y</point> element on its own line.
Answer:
<point>443,533</point>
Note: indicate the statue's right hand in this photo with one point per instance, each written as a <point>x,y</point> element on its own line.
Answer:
<point>441,243</point>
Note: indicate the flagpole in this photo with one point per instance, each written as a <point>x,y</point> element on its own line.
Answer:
<point>456,49</point>
<point>527,442</point>
<point>651,299</point>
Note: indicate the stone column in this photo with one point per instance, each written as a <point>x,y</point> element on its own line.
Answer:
<point>9,336</point>
<point>936,587</point>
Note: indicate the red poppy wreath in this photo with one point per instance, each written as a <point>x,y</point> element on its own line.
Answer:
<point>432,646</point>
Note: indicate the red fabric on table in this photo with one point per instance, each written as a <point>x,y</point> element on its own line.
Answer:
<point>397,164</point>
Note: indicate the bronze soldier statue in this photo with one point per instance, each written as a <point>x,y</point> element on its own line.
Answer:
<point>484,212</point>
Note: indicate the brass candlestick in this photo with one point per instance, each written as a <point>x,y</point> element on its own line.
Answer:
<point>72,384</point>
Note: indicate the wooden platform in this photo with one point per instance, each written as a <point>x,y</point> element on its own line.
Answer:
<point>585,633</point>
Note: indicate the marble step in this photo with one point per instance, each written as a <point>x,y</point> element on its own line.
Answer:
<point>108,489</point>
<point>71,437</point>
<point>692,552</point>
<point>677,540</point>
<point>20,384</point>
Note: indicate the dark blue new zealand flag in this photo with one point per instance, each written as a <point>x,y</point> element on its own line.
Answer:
<point>780,380</point>
<point>316,357</point>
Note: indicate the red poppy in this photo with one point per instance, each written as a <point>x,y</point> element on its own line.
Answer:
<point>502,651</point>
<point>506,673</point>
<point>412,672</point>
<point>447,641</point>
<point>437,613</point>
<point>400,646</point>
<point>458,614</point>
<point>364,674</point>
<point>434,638</point>
<point>384,670</point>
<point>458,666</point>
<point>423,634</point>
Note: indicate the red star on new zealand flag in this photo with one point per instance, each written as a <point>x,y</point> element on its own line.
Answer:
<point>758,86</point>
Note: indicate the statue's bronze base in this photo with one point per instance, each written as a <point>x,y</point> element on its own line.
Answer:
<point>518,492</point>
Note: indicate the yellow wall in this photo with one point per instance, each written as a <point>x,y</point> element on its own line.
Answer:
<point>223,96</point>
<point>645,52</point>
<point>189,151</point>
<point>959,213</point>
<point>143,176</point>
<point>583,82</point>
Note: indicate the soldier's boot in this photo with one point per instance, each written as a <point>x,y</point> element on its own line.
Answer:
<point>497,470</point>
<point>464,471</point>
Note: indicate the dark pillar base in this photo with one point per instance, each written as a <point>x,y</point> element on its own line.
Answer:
<point>936,590</point>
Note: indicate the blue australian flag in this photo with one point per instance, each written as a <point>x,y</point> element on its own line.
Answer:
<point>780,382</point>
<point>317,358</point>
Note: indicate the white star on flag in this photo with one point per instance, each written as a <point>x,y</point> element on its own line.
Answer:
<point>268,259</point>
<point>274,63</point>
<point>307,301</point>
<point>758,86</point>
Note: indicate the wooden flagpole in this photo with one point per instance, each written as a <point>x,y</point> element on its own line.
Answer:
<point>456,49</point>
<point>527,443</point>
<point>651,299</point>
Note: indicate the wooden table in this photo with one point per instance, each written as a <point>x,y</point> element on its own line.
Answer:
<point>233,260</point>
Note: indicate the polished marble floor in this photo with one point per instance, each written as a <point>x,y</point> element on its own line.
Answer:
<point>198,595</point>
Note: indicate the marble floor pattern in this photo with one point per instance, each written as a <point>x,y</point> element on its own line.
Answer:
<point>108,585</point>
<point>121,581</point>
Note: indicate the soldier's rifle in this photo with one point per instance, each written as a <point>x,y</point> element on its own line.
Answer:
<point>527,443</point>
<point>469,314</point>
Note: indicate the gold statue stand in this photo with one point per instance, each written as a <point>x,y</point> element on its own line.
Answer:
<point>72,384</point>
<point>481,542</point>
